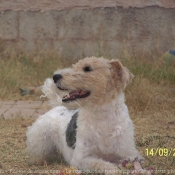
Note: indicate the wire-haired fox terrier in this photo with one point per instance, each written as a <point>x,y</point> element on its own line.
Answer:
<point>89,124</point>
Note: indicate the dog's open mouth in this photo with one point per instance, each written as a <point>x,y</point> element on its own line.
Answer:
<point>73,95</point>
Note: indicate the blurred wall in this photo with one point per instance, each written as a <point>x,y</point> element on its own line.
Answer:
<point>77,29</point>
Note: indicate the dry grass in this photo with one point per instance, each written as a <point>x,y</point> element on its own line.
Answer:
<point>25,71</point>
<point>150,98</point>
<point>13,153</point>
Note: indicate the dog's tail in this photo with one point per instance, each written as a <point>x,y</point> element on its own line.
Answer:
<point>49,91</point>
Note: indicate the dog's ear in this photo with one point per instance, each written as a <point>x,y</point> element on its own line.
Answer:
<point>119,72</point>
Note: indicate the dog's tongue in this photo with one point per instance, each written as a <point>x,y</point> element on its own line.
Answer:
<point>77,93</point>
<point>74,94</point>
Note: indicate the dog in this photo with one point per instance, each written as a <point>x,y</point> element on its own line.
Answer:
<point>89,124</point>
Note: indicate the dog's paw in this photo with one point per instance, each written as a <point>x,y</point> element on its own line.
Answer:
<point>134,167</point>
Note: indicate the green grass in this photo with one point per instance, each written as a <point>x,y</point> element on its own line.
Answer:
<point>154,69</point>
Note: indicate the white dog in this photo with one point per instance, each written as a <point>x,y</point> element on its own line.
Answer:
<point>93,131</point>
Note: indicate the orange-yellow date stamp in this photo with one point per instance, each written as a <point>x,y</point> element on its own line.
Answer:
<point>160,152</point>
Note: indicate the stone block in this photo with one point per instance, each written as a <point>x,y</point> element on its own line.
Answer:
<point>9,25</point>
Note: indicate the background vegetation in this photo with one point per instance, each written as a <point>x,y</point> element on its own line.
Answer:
<point>150,98</point>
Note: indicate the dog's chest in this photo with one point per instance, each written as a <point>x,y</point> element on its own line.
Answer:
<point>106,132</point>
<point>105,136</point>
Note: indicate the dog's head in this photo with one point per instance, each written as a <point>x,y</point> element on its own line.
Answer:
<point>91,82</point>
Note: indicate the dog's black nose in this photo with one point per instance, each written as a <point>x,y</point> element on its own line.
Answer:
<point>56,77</point>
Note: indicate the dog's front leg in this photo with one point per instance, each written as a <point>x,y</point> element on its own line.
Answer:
<point>92,164</point>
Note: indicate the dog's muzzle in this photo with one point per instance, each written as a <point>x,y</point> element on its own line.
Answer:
<point>72,95</point>
<point>57,77</point>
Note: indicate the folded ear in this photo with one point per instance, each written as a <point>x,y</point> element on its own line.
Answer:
<point>121,73</point>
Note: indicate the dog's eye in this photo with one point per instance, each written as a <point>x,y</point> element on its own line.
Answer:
<point>87,69</point>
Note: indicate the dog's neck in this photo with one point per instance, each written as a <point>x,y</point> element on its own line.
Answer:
<point>105,110</point>
<point>116,102</point>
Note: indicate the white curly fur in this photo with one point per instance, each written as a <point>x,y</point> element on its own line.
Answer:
<point>48,90</point>
<point>105,133</point>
